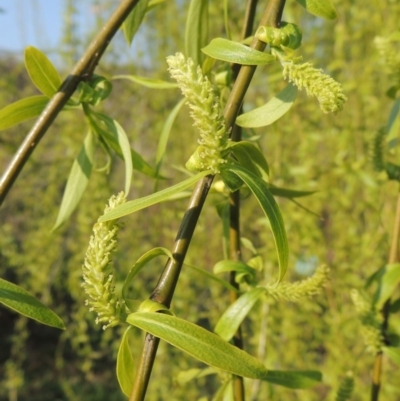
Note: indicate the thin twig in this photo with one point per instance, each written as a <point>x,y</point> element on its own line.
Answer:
<point>82,71</point>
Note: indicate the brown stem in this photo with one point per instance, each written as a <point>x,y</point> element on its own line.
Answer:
<point>393,258</point>
<point>82,70</point>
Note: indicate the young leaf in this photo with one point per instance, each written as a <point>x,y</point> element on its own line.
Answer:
<point>388,283</point>
<point>320,8</point>
<point>271,111</point>
<point>162,143</point>
<point>148,82</point>
<point>250,157</point>
<point>19,300</point>
<point>138,162</point>
<point>234,52</point>
<point>146,201</point>
<point>212,277</point>
<point>260,190</point>
<point>233,316</point>
<point>22,110</point>
<point>125,365</point>
<point>77,180</point>
<point>392,353</point>
<point>141,263</point>
<point>135,18</point>
<point>288,193</point>
<point>234,265</point>
<point>196,31</point>
<point>214,351</point>
<point>122,139</point>
<point>41,71</point>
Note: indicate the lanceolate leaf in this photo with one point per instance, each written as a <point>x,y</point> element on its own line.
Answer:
<point>122,139</point>
<point>162,143</point>
<point>236,266</point>
<point>148,82</point>
<point>320,8</point>
<point>288,193</point>
<point>135,18</point>
<point>260,190</point>
<point>22,110</point>
<point>196,29</point>
<point>233,316</point>
<point>234,52</point>
<point>271,111</point>
<point>142,203</point>
<point>214,351</point>
<point>125,365</point>
<point>77,181</point>
<point>141,263</point>
<point>41,71</point>
<point>250,157</point>
<point>21,301</point>
<point>212,277</point>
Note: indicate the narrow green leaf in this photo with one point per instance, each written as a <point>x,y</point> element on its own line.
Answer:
<point>320,8</point>
<point>389,281</point>
<point>250,157</point>
<point>236,266</point>
<point>22,110</point>
<point>138,162</point>
<point>77,181</point>
<point>232,318</point>
<point>125,365</point>
<point>392,353</point>
<point>135,18</point>
<point>123,142</point>
<point>234,52</point>
<point>196,31</point>
<point>271,111</point>
<point>260,190</point>
<point>141,263</point>
<point>41,71</point>
<point>146,201</point>
<point>148,82</point>
<point>288,193</point>
<point>164,136</point>
<point>212,277</point>
<point>214,351</point>
<point>19,300</point>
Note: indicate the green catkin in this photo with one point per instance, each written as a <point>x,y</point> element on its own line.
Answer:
<point>370,322</point>
<point>294,292</point>
<point>206,112</point>
<point>98,271</point>
<point>346,388</point>
<point>328,92</point>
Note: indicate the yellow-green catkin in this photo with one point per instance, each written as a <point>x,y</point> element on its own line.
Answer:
<point>294,292</point>
<point>370,322</point>
<point>206,112</point>
<point>328,92</point>
<point>98,270</point>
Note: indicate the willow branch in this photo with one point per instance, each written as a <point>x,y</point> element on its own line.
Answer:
<point>82,71</point>
<point>165,288</point>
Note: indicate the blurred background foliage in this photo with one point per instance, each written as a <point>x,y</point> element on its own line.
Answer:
<point>347,224</point>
